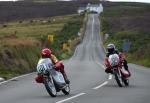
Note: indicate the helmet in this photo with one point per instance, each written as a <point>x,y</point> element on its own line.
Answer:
<point>46,53</point>
<point>110,48</point>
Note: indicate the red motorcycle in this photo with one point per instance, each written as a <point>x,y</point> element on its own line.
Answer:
<point>114,63</point>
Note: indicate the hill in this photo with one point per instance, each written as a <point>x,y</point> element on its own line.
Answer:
<point>27,9</point>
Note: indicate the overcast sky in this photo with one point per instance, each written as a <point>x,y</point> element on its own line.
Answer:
<point>147,1</point>
<point>8,0</point>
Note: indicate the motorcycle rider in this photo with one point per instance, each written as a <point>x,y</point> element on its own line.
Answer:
<point>47,53</point>
<point>112,50</point>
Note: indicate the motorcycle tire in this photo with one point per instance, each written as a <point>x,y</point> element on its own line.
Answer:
<point>66,90</point>
<point>118,79</point>
<point>50,87</point>
<point>126,82</point>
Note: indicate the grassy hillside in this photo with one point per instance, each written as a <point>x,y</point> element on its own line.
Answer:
<point>128,22</point>
<point>22,40</point>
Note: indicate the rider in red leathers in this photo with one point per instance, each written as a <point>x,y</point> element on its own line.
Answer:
<point>112,50</point>
<point>47,53</point>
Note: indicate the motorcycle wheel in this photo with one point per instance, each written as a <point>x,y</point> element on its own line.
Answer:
<point>126,82</point>
<point>66,90</point>
<point>50,87</point>
<point>118,79</point>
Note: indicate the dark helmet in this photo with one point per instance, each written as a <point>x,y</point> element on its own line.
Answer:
<point>46,53</point>
<point>110,48</point>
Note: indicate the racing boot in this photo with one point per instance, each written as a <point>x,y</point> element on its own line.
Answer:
<point>126,67</point>
<point>108,70</point>
<point>66,78</point>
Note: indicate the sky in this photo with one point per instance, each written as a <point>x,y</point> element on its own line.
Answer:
<point>146,1</point>
<point>8,0</point>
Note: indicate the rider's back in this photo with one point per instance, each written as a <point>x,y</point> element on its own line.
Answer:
<point>44,61</point>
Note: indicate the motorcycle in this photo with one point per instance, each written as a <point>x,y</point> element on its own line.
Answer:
<point>52,79</point>
<point>120,74</point>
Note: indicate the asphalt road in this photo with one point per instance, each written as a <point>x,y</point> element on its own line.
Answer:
<point>89,83</point>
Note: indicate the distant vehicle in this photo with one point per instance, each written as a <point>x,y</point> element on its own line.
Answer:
<point>93,12</point>
<point>53,80</point>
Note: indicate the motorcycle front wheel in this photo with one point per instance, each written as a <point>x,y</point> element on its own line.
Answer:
<point>118,79</point>
<point>50,87</point>
<point>66,90</point>
<point>126,82</point>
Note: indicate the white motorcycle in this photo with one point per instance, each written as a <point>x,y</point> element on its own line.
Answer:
<point>53,80</point>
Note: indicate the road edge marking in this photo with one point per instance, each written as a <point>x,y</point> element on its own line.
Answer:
<point>16,78</point>
<point>64,100</point>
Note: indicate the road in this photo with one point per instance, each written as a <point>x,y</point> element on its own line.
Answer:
<point>89,83</point>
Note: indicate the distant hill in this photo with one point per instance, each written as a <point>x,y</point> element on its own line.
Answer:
<point>27,9</point>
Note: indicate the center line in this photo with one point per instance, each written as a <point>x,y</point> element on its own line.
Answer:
<point>106,82</point>
<point>92,27</point>
<point>71,98</point>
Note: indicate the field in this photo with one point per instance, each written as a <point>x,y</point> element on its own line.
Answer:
<point>33,28</point>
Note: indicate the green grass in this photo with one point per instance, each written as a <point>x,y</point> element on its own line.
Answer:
<point>34,27</point>
<point>122,10</point>
<point>7,74</point>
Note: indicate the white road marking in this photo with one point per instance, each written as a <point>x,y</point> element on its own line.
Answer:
<point>106,82</point>
<point>75,52</point>
<point>80,94</point>
<point>15,78</point>
<point>93,27</point>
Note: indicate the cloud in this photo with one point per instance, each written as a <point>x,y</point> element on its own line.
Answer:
<point>145,1</point>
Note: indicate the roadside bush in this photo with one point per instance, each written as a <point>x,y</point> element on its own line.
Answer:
<point>4,25</point>
<point>105,26</point>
